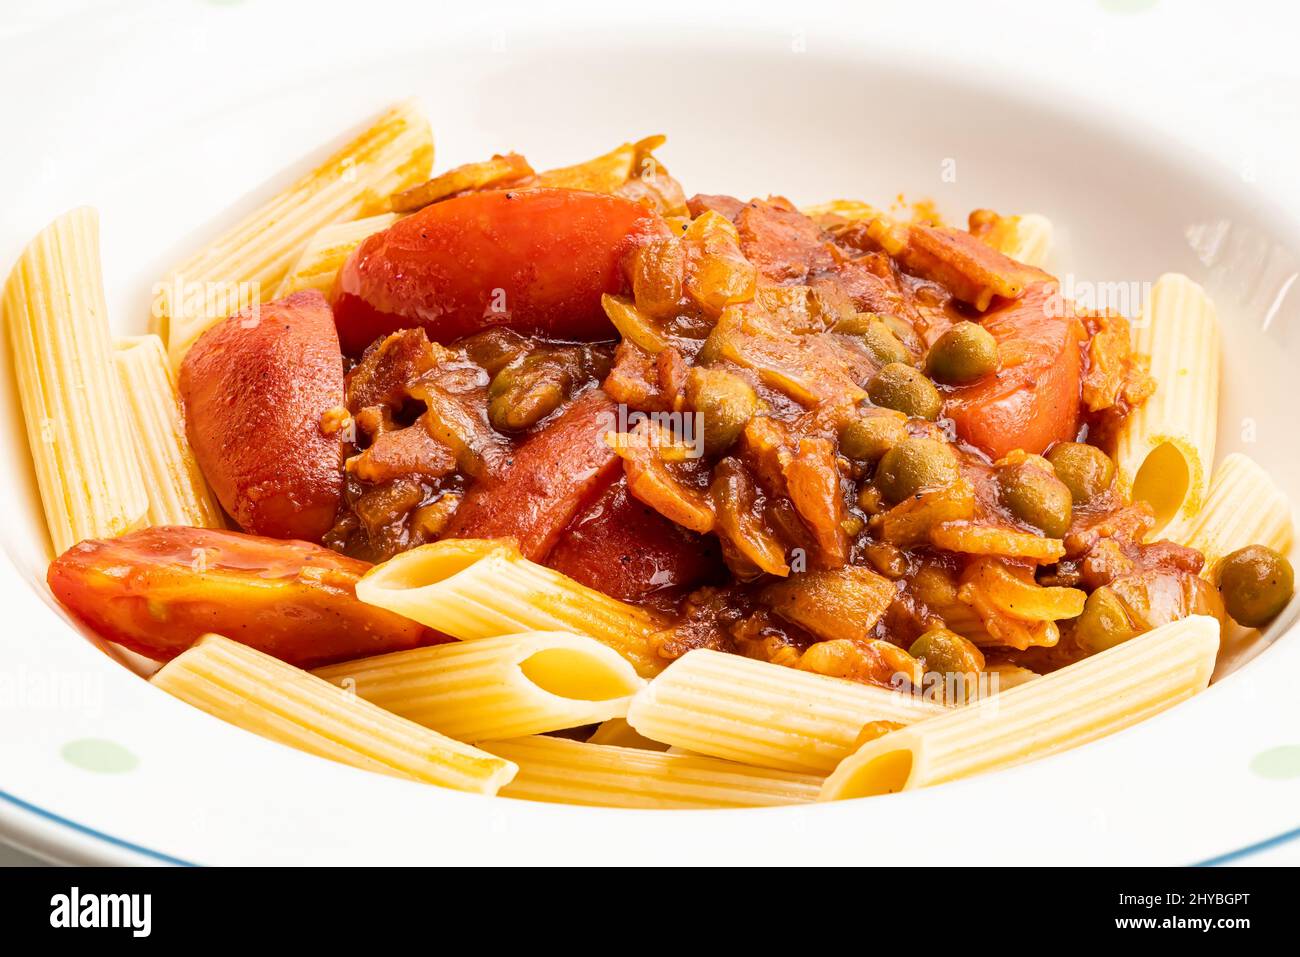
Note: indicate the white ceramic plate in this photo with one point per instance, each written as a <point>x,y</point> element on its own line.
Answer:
<point>174,121</point>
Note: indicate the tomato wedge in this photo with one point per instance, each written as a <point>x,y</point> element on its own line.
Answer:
<point>535,260</point>
<point>1033,399</point>
<point>158,590</point>
<point>629,551</point>
<point>548,480</point>
<point>256,389</point>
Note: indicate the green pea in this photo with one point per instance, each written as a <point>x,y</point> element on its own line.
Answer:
<point>876,337</point>
<point>947,652</point>
<point>518,399</point>
<point>1104,622</point>
<point>725,403</point>
<point>898,386</point>
<point>964,353</point>
<point>521,395</point>
<point>1086,470</point>
<point>868,437</point>
<point>856,324</point>
<point>913,465</point>
<point>1034,495</point>
<point>1256,583</point>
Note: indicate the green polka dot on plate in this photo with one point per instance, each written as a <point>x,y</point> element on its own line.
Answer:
<point>99,755</point>
<point>1278,764</point>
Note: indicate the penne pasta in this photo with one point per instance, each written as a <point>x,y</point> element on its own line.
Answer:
<point>278,701</point>
<point>1080,703</point>
<point>737,708</point>
<point>1244,507</point>
<point>1029,240</point>
<point>327,250</point>
<point>505,687</point>
<point>827,601</point>
<point>1008,676</point>
<point>617,732</point>
<point>1165,448</point>
<point>244,265</point>
<point>77,422</point>
<point>480,588</point>
<point>851,209</point>
<point>573,772</point>
<point>178,493</point>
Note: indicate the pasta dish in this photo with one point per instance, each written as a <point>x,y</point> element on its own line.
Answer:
<point>566,485</point>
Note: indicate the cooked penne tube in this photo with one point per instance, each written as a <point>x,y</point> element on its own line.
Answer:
<point>617,732</point>
<point>851,209</point>
<point>244,265</point>
<point>1008,676</point>
<point>327,250</point>
<point>1244,507</point>
<point>1080,703</point>
<point>481,588</point>
<point>178,493</point>
<point>558,770</point>
<point>728,706</point>
<point>1165,448</point>
<point>77,421</point>
<point>505,687</point>
<point>278,701</point>
<point>1029,240</point>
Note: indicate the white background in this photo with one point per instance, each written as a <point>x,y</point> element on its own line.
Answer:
<point>1221,77</point>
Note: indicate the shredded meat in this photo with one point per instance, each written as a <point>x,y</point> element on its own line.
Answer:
<point>704,621</point>
<point>813,484</point>
<point>399,453</point>
<point>843,602</point>
<point>770,326</point>
<point>782,242</point>
<point>971,270</point>
<point>749,546</point>
<point>646,382</point>
<point>727,206</point>
<point>385,372</point>
<point>1115,379</point>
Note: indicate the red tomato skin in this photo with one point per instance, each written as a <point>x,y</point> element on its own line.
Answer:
<point>548,480</point>
<point>255,388</point>
<point>159,589</point>
<point>536,261</point>
<point>629,551</point>
<point>1032,401</point>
